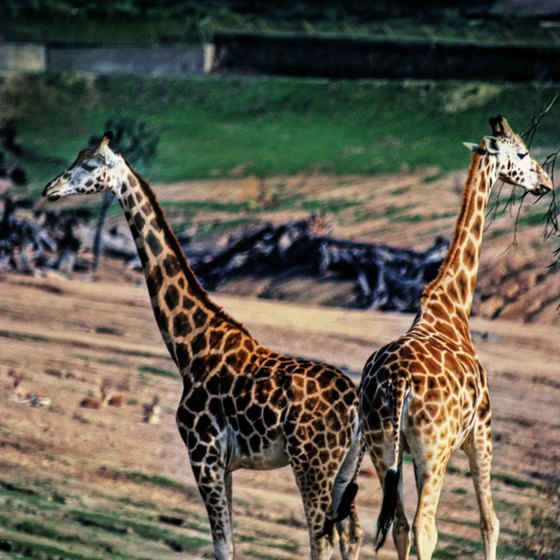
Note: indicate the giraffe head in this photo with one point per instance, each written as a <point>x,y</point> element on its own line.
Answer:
<point>94,170</point>
<point>515,164</point>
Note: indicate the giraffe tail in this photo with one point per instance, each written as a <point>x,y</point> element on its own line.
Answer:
<point>346,479</point>
<point>399,397</point>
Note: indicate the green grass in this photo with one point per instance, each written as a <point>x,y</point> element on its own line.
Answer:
<point>33,549</point>
<point>158,371</point>
<point>332,206</point>
<point>158,480</point>
<point>116,31</point>
<point>207,229</point>
<point>118,524</point>
<point>457,546</point>
<point>516,482</point>
<point>37,523</point>
<point>211,126</point>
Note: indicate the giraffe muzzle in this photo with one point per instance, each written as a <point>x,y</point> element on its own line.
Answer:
<point>545,184</point>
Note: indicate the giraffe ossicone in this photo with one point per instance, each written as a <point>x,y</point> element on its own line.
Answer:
<point>426,393</point>
<point>243,405</point>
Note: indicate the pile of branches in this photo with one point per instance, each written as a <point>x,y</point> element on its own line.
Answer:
<point>384,277</point>
<point>40,240</point>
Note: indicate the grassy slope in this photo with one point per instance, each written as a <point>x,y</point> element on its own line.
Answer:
<point>219,126</point>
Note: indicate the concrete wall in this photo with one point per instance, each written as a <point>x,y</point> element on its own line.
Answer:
<point>23,58</point>
<point>297,56</point>
<point>155,61</point>
<point>361,58</point>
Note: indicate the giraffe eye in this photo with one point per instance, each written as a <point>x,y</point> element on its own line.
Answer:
<point>521,156</point>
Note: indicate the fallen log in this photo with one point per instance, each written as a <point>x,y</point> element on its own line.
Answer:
<point>385,277</point>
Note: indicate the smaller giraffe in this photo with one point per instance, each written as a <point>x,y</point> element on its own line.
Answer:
<point>426,393</point>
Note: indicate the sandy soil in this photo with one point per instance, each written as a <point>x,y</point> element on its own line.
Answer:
<point>65,336</point>
<point>85,484</point>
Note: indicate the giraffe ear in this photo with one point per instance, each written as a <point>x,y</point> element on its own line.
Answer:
<point>470,146</point>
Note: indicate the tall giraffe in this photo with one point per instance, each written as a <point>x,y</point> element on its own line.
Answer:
<point>426,393</point>
<point>243,405</point>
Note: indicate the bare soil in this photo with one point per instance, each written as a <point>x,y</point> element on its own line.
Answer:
<point>79,483</point>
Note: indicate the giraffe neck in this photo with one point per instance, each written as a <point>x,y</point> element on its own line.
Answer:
<point>450,295</point>
<point>182,308</point>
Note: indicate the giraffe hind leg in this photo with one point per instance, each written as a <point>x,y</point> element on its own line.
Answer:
<point>315,486</point>
<point>344,514</point>
<point>214,491</point>
<point>429,479</point>
<point>478,449</point>
<point>401,527</point>
<point>350,535</point>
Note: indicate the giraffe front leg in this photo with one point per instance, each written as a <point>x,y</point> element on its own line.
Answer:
<point>214,485</point>
<point>478,448</point>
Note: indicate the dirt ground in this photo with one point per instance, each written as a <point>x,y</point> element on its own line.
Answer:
<point>68,335</point>
<point>84,484</point>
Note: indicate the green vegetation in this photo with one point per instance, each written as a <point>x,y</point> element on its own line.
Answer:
<point>539,537</point>
<point>118,524</point>
<point>87,533</point>
<point>456,546</point>
<point>162,481</point>
<point>158,371</point>
<point>515,481</point>
<point>216,126</point>
<point>138,21</point>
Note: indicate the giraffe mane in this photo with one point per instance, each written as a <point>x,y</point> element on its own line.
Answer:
<point>193,281</point>
<point>477,155</point>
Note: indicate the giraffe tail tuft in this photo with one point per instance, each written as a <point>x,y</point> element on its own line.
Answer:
<point>344,509</point>
<point>390,493</point>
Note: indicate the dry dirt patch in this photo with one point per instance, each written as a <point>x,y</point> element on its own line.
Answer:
<point>110,468</point>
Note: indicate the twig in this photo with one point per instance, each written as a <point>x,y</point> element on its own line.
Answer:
<point>529,133</point>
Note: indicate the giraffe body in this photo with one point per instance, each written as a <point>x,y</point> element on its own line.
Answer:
<point>426,393</point>
<point>243,405</point>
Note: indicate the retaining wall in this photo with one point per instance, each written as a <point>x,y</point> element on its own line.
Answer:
<point>148,60</point>
<point>363,58</point>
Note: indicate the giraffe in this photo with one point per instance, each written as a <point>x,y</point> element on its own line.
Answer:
<point>426,393</point>
<point>243,405</point>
